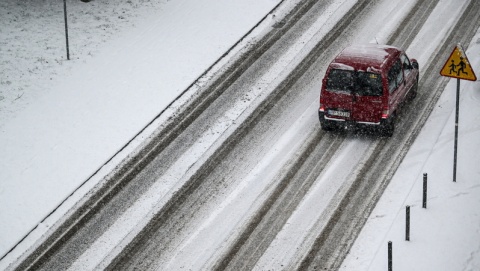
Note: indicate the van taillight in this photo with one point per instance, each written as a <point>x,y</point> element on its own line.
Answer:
<point>322,108</point>
<point>385,113</point>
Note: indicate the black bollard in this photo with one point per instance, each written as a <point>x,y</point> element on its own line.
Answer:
<point>390,256</point>
<point>407,226</point>
<point>424,190</point>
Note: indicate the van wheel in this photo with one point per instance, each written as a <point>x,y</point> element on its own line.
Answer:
<point>327,126</point>
<point>388,127</point>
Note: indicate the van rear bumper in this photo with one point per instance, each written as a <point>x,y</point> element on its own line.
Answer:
<point>329,124</point>
<point>337,121</point>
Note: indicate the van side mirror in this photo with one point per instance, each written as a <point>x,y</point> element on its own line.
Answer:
<point>414,64</point>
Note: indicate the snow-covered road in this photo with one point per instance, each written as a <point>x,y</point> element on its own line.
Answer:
<point>210,202</point>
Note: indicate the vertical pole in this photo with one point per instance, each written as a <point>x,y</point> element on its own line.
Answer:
<point>390,268</point>
<point>456,132</point>
<point>66,27</point>
<point>407,226</point>
<point>424,205</point>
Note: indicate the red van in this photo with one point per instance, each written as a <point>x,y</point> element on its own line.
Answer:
<point>365,86</point>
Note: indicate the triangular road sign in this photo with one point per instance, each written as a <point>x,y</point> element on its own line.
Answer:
<point>458,66</point>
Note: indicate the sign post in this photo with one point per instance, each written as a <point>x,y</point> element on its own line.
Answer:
<point>66,26</point>
<point>457,66</point>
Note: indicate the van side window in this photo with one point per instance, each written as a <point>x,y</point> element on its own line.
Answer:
<point>407,65</point>
<point>395,76</point>
<point>405,62</point>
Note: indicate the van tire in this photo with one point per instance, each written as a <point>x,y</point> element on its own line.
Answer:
<point>327,126</point>
<point>388,127</point>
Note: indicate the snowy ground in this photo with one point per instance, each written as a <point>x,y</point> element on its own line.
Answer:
<point>62,120</point>
<point>121,76</point>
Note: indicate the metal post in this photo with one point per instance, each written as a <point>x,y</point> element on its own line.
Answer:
<point>390,268</point>
<point>456,132</point>
<point>424,190</point>
<point>66,27</point>
<point>407,228</point>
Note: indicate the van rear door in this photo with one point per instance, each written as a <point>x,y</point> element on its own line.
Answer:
<point>368,98</point>
<point>339,89</point>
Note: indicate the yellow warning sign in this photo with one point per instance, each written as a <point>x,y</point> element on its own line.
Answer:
<point>457,66</point>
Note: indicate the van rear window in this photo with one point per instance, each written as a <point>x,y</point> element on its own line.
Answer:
<point>368,84</point>
<point>362,83</point>
<point>340,81</point>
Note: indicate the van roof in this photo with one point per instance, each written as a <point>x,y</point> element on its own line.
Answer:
<point>366,57</point>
